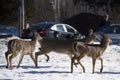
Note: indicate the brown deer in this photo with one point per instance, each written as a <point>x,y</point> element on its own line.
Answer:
<point>91,50</point>
<point>17,46</point>
<point>60,46</point>
<point>91,36</point>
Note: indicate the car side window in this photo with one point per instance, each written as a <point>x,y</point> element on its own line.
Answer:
<point>60,28</point>
<point>69,29</point>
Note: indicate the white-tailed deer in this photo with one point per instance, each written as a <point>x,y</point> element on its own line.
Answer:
<point>17,46</point>
<point>55,43</point>
<point>60,46</point>
<point>91,50</point>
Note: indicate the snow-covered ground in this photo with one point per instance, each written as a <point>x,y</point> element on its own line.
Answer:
<point>58,68</point>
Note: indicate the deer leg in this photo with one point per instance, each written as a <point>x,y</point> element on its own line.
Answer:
<point>76,63</point>
<point>93,60</point>
<point>33,58</point>
<point>78,60</point>
<point>6,56</point>
<point>36,58</point>
<point>72,61</point>
<point>21,58</point>
<point>47,57</point>
<point>101,64</point>
<point>10,60</point>
<point>81,66</point>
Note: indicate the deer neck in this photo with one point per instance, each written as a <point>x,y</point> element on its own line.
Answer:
<point>86,39</point>
<point>104,45</point>
<point>34,40</point>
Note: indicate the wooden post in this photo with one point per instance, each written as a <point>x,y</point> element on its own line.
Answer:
<point>21,18</point>
<point>57,10</point>
<point>109,7</point>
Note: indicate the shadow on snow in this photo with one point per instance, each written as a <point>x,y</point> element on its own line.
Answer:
<point>47,72</point>
<point>108,72</point>
<point>25,67</point>
<point>52,72</point>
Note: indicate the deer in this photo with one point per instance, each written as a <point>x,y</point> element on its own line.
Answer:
<point>90,37</point>
<point>23,47</point>
<point>60,46</point>
<point>95,51</point>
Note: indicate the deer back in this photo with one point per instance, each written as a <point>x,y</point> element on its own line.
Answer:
<point>61,46</point>
<point>18,46</point>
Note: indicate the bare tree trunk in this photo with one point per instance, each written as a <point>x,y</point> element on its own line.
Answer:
<point>21,17</point>
<point>57,10</point>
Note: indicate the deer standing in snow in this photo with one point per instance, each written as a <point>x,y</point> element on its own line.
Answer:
<point>50,44</point>
<point>95,51</point>
<point>61,46</point>
<point>17,46</point>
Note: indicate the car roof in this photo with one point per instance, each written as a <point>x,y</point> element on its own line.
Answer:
<point>111,25</point>
<point>115,25</point>
<point>109,28</point>
<point>44,24</point>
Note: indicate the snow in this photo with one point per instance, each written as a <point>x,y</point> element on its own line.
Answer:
<point>58,67</point>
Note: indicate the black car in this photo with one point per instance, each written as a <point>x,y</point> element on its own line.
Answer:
<point>52,30</point>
